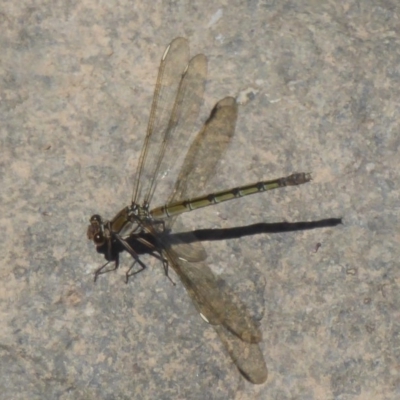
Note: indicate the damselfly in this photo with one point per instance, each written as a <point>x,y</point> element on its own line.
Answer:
<point>139,229</point>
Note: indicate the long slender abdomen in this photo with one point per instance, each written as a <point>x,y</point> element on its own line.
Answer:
<point>180,207</point>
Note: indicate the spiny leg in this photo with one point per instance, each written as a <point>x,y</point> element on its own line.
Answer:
<point>102,270</point>
<point>142,266</point>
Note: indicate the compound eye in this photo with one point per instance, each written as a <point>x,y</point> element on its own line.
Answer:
<point>99,239</point>
<point>95,218</point>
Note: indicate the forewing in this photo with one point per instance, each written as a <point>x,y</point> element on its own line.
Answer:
<point>172,66</point>
<point>176,103</point>
<point>181,125</point>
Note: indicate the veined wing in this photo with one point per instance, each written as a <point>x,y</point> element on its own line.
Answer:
<point>236,329</point>
<point>200,164</point>
<point>172,65</point>
<point>212,299</point>
<point>247,357</point>
<point>184,114</point>
<point>206,151</point>
<point>221,308</point>
<point>176,103</point>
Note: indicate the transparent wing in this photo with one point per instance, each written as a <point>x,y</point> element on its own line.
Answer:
<point>200,164</point>
<point>177,99</point>
<point>247,357</point>
<point>212,298</point>
<point>182,122</point>
<point>236,329</point>
<point>221,308</point>
<point>205,152</point>
<point>171,68</point>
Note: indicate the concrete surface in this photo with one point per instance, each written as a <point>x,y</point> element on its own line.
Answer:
<point>319,83</point>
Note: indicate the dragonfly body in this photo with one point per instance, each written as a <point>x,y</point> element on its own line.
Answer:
<point>132,219</point>
<point>138,229</point>
<point>180,207</point>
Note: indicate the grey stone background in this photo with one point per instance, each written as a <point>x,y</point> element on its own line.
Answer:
<point>319,83</point>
